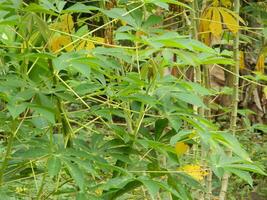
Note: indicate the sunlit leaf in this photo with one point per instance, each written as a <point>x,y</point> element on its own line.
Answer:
<point>181,148</point>
<point>215,24</point>
<point>230,21</point>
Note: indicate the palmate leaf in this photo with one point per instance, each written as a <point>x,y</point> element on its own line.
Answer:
<point>16,109</point>
<point>80,8</point>
<point>119,13</point>
<point>181,136</point>
<point>45,112</point>
<point>32,153</point>
<point>159,146</point>
<point>235,165</point>
<point>53,165</point>
<point>215,24</point>
<point>242,174</point>
<point>76,173</point>
<point>231,142</point>
<point>230,21</point>
<point>214,18</point>
<point>152,187</point>
<point>165,3</point>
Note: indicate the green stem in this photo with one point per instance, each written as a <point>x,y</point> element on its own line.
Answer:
<point>6,157</point>
<point>41,187</point>
<point>235,99</point>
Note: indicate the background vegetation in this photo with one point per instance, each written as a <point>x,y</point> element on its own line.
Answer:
<point>143,99</point>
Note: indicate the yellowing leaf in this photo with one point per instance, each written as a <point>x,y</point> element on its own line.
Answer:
<point>216,25</point>
<point>215,3</point>
<point>195,171</point>
<point>124,23</point>
<point>181,148</point>
<point>60,41</point>
<point>230,21</point>
<point>227,3</point>
<point>204,31</point>
<point>89,45</point>
<point>241,60</point>
<point>234,15</point>
<point>98,192</point>
<point>99,39</point>
<point>260,64</point>
<point>67,23</point>
<point>265,91</point>
<point>81,45</point>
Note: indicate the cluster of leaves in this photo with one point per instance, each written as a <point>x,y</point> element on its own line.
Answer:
<point>85,119</point>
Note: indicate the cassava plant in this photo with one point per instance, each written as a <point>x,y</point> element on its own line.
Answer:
<point>90,110</point>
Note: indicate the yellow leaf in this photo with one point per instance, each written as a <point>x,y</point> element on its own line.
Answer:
<point>99,39</point>
<point>227,3</point>
<point>98,192</point>
<point>265,91</point>
<point>204,31</point>
<point>230,21</point>
<point>215,3</point>
<point>181,148</point>
<point>241,60</point>
<point>196,171</point>
<point>216,25</point>
<point>85,45</point>
<point>67,23</point>
<point>89,45</point>
<point>59,41</point>
<point>81,45</point>
<point>124,23</point>
<point>260,64</point>
<point>234,15</point>
<point>65,42</point>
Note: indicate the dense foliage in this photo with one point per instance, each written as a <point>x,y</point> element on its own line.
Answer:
<point>149,99</point>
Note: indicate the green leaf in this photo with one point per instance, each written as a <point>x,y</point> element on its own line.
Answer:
<point>53,165</point>
<point>151,21</point>
<point>164,2</point>
<point>260,127</point>
<point>160,125</point>
<point>76,174</point>
<point>39,9</point>
<point>231,142</point>
<point>161,147</point>
<point>190,98</point>
<point>119,13</point>
<point>181,136</point>
<point>16,109</point>
<point>31,153</point>
<point>246,167</point>
<point>208,59</point>
<point>80,8</point>
<point>82,67</point>
<point>175,122</point>
<point>242,174</point>
<point>45,112</point>
<point>152,186</point>
<point>42,27</point>
<point>115,52</point>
